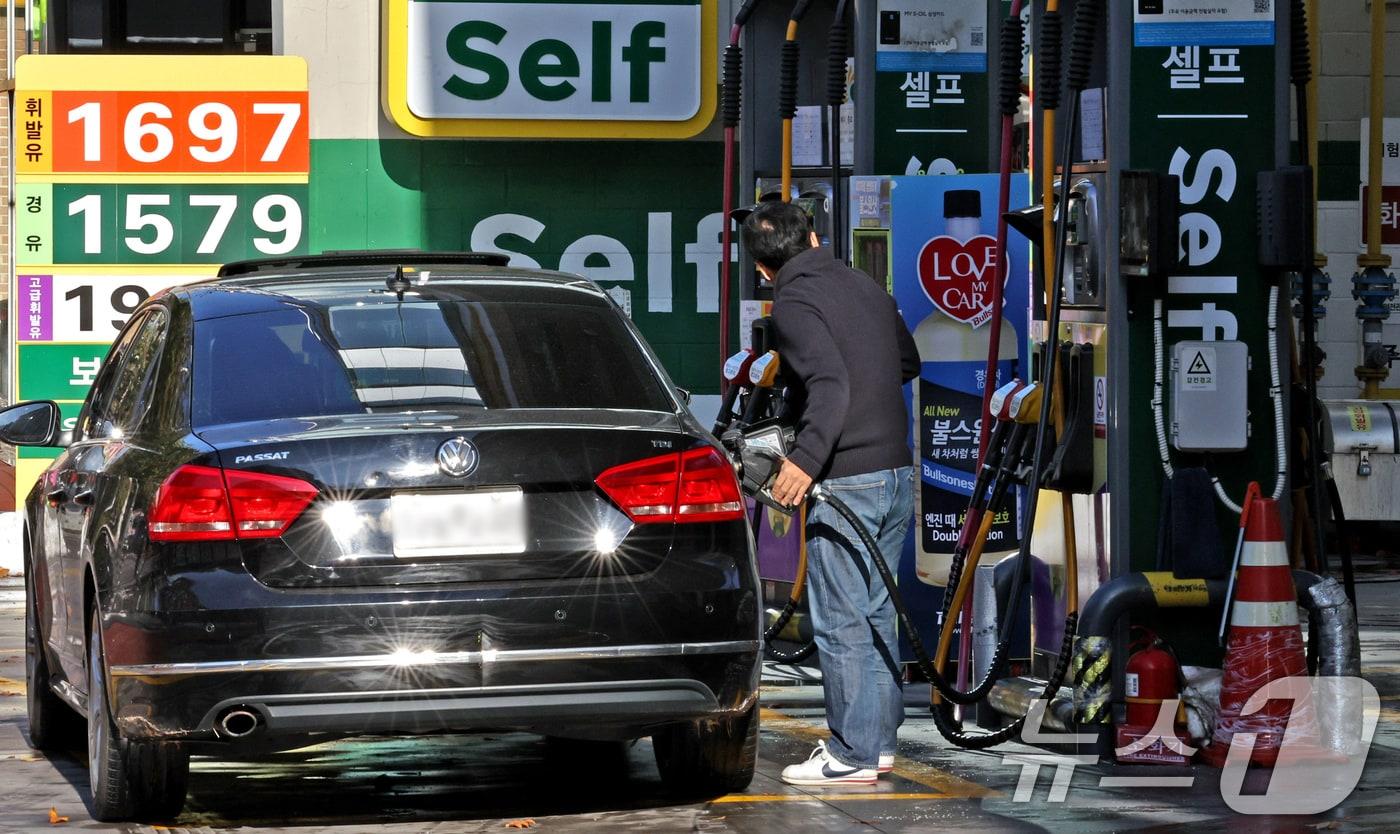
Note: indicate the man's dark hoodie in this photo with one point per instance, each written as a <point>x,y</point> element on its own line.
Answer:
<point>846,354</point>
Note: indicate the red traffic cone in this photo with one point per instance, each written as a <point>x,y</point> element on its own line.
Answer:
<point>1265,643</point>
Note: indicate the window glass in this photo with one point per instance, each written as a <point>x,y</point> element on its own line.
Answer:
<point>132,388</point>
<point>161,26</point>
<point>100,395</point>
<point>312,359</point>
<point>176,22</point>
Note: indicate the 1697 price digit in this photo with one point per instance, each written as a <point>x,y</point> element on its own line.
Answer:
<point>168,132</point>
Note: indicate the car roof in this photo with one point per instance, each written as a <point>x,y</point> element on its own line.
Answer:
<point>273,284</point>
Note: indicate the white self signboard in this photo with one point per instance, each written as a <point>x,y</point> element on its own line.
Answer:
<point>541,60</point>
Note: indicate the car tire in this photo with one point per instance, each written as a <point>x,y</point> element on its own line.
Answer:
<point>53,725</point>
<point>710,756</point>
<point>130,779</point>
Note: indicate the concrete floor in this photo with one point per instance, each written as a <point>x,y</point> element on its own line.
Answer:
<point>481,783</point>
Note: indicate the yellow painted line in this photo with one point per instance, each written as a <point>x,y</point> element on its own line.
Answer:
<point>950,786</point>
<point>824,797</point>
<point>11,688</point>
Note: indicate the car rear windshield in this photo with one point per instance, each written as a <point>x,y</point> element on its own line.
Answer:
<point>305,360</point>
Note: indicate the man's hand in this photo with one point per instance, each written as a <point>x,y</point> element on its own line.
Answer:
<point>791,485</point>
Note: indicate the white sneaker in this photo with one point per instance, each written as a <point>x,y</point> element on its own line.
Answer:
<point>886,763</point>
<point>821,769</point>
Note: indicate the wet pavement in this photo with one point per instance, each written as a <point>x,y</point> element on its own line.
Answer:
<point>485,782</point>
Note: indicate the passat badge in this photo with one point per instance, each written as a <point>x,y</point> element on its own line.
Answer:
<point>458,457</point>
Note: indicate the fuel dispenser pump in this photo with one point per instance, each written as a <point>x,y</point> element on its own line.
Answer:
<point>1017,453</point>
<point>1110,170</point>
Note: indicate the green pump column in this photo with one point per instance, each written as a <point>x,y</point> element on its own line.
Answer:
<point>1204,97</point>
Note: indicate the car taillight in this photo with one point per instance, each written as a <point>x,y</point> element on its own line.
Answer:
<point>709,488</point>
<point>693,486</point>
<point>205,503</point>
<point>266,505</point>
<point>645,489</point>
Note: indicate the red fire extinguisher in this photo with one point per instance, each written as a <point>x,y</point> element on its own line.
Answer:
<point>1152,677</point>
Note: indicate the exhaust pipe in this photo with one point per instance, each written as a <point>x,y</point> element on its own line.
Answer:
<point>239,723</point>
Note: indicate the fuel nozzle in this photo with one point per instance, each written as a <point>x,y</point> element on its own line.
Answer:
<point>1022,414</point>
<point>759,441</point>
<point>763,379</point>
<point>736,380</point>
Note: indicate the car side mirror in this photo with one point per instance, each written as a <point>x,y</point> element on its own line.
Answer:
<point>36,423</point>
<point>684,395</point>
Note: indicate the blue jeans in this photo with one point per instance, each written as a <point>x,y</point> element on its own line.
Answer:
<point>852,615</point>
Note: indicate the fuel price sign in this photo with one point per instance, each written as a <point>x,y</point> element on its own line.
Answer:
<point>135,174</point>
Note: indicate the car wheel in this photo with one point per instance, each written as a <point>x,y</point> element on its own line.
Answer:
<point>130,779</point>
<point>710,756</point>
<point>52,724</point>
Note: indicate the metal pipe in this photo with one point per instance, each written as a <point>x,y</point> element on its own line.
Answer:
<point>1372,286</point>
<point>984,630</point>
<point>1377,113</point>
<point>1339,656</point>
<point>239,723</point>
<point>11,249</point>
<point>1014,697</point>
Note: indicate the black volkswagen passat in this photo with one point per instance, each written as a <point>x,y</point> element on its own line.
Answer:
<point>383,493</point>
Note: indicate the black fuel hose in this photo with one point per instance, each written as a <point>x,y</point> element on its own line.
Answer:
<point>774,653</point>
<point>838,47</point>
<point>731,107</point>
<point>945,724</point>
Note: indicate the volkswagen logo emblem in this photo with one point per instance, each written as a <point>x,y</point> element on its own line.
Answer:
<point>458,457</point>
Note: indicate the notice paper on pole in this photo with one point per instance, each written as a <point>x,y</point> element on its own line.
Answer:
<point>1203,23</point>
<point>917,35</point>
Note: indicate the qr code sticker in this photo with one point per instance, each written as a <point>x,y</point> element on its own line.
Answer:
<point>1263,6</point>
<point>979,38</point>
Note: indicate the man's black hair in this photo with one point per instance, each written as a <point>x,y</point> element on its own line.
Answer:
<point>776,233</point>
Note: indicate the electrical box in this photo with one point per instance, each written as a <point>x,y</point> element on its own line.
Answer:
<point>1209,399</point>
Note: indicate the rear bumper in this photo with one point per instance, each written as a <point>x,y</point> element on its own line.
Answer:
<point>618,704</point>
<point>610,690</point>
<point>199,634</point>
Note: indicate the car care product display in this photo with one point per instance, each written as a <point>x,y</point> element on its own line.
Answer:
<point>945,261</point>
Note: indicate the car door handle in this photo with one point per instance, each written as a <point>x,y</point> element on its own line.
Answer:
<point>57,495</point>
<point>83,497</point>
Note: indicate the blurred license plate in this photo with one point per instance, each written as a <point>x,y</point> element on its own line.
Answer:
<point>459,524</point>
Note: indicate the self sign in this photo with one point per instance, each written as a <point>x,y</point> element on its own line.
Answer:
<point>450,62</point>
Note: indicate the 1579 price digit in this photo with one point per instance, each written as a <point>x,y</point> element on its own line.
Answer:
<point>175,224</point>
<point>153,233</point>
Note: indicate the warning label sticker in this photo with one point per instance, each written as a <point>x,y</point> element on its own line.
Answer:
<point>1360,418</point>
<point>1200,372</point>
<point>1100,406</point>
